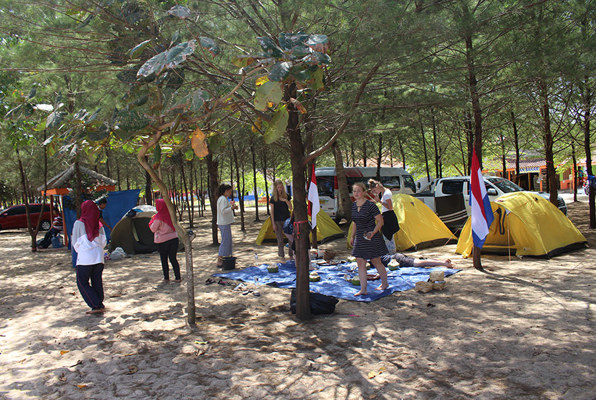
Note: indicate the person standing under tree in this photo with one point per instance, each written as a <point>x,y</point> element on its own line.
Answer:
<point>88,240</point>
<point>166,239</point>
<point>383,196</point>
<point>281,209</point>
<point>366,239</point>
<point>102,203</point>
<point>225,218</point>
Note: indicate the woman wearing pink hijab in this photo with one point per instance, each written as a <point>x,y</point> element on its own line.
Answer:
<point>89,239</point>
<point>166,239</point>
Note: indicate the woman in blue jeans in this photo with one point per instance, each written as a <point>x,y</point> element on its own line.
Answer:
<point>225,218</point>
<point>88,240</point>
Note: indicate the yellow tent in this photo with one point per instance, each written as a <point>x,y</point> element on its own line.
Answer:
<point>327,230</point>
<point>419,225</point>
<point>525,224</point>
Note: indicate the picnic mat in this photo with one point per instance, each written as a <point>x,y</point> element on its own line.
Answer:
<point>333,279</point>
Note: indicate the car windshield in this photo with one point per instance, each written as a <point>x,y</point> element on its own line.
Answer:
<point>505,185</point>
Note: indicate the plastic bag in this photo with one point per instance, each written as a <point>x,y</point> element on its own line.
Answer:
<point>117,254</point>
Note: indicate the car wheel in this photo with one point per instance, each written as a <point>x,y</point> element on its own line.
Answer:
<point>45,225</point>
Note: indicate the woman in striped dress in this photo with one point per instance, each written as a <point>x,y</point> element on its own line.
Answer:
<point>366,239</point>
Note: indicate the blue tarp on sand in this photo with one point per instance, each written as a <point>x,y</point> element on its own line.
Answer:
<point>333,279</point>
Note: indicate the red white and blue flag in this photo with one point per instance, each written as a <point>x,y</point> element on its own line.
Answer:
<point>482,213</point>
<point>313,198</point>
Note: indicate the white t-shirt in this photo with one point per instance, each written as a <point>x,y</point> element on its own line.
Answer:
<point>386,196</point>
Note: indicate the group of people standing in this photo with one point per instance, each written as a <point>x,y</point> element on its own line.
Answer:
<point>372,237</point>
<point>89,239</point>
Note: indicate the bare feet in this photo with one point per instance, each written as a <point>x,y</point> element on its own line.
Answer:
<point>448,263</point>
<point>382,287</point>
<point>96,311</point>
<point>360,293</point>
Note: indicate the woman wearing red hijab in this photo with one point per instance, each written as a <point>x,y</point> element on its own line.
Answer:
<point>166,239</point>
<point>89,239</point>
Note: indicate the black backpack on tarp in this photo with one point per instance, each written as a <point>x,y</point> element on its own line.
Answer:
<point>319,303</point>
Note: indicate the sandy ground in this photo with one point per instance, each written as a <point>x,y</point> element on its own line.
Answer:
<point>523,330</point>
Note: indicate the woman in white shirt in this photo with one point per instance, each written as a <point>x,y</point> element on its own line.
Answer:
<point>383,196</point>
<point>225,218</point>
<point>89,239</point>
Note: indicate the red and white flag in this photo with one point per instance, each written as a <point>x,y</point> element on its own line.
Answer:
<point>313,198</point>
<point>482,213</point>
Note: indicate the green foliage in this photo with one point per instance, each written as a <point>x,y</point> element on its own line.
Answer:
<point>268,92</point>
<point>277,126</point>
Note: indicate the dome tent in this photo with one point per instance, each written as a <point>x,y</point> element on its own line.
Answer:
<point>327,230</point>
<point>526,224</point>
<point>132,232</point>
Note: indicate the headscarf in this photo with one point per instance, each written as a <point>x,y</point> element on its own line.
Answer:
<point>163,214</point>
<point>90,217</point>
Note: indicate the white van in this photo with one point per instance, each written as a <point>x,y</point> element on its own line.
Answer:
<point>394,178</point>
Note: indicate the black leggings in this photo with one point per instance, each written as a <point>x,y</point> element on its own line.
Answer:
<point>168,250</point>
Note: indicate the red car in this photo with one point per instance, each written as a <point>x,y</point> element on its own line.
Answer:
<point>15,217</point>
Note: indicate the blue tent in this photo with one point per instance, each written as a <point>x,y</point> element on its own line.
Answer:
<point>118,204</point>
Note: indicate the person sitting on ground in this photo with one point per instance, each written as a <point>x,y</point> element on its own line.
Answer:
<point>409,262</point>
<point>53,232</point>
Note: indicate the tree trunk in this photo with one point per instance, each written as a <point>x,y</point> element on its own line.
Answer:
<point>32,231</point>
<point>435,143</point>
<point>503,157</point>
<point>182,234</point>
<point>424,145</point>
<point>548,143</point>
<point>402,152</point>
<point>213,184</point>
<point>587,100</point>
<point>254,180</point>
<point>78,186</point>
<point>187,192</point>
<point>364,153</point>
<point>469,141</point>
<point>574,175</point>
<point>240,189</point>
<point>149,187</point>
<point>516,145</point>
<point>475,98</point>
<point>264,169</point>
<point>379,157</point>
<point>301,226</point>
<point>477,112</point>
<point>344,204</point>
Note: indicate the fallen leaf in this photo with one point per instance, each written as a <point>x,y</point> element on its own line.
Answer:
<point>63,352</point>
<point>132,369</point>
<point>200,342</point>
<point>373,374</point>
<point>81,386</point>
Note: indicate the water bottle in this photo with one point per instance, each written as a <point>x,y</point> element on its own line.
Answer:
<point>256,259</point>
